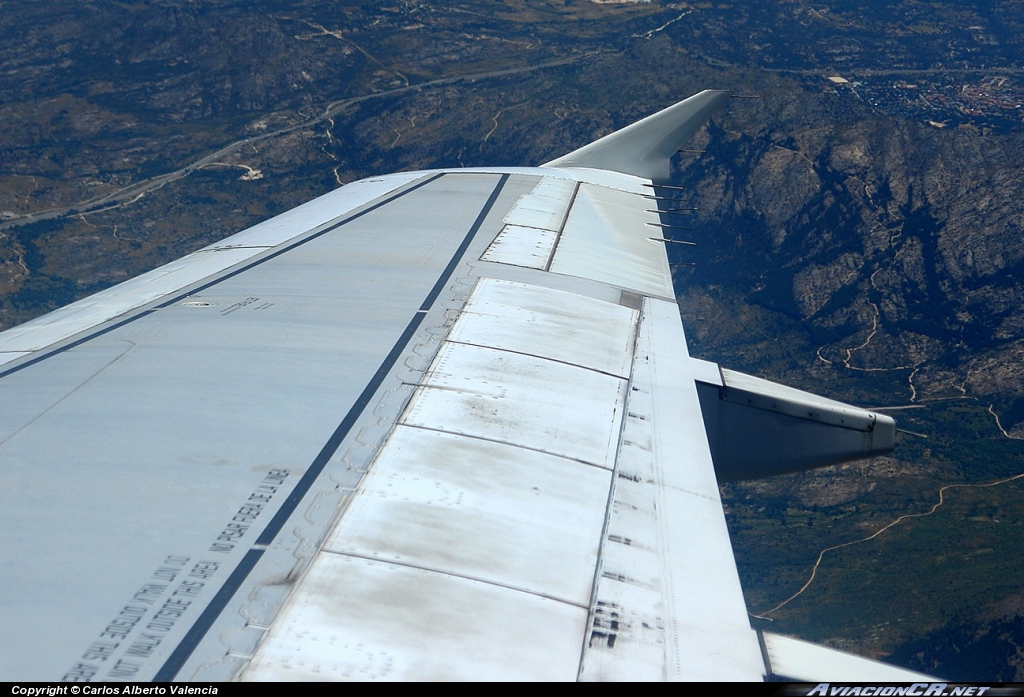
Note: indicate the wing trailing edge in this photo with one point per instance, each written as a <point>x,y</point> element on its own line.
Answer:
<point>645,148</point>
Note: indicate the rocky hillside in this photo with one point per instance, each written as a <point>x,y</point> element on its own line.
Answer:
<point>897,246</point>
<point>846,246</point>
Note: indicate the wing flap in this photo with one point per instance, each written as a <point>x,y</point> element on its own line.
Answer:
<point>607,238</point>
<point>498,473</point>
<point>360,619</point>
<point>549,324</point>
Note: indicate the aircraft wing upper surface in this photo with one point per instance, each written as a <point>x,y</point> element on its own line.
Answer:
<point>431,425</point>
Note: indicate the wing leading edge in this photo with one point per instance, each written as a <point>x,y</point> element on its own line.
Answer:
<point>432,425</point>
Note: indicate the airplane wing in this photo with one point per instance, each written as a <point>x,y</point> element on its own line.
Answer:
<point>431,425</point>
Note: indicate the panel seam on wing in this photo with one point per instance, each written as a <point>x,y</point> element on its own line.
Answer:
<point>599,570</point>
<point>534,355</point>
<point>465,577</point>
<point>485,439</point>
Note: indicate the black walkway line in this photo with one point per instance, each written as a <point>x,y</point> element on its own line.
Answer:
<point>76,342</point>
<point>183,651</point>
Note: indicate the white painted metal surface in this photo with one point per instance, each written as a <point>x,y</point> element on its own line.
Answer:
<point>787,400</point>
<point>518,504</point>
<point>795,659</point>
<point>533,225</point>
<point>173,440</point>
<point>606,239</point>
<point>705,371</point>
<point>496,507</point>
<point>359,619</point>
<point>523,400</point>
<point>597,177</point>
<point>564,327</point>
<point>479,509</point>
<point>645,148</point>
<point>522,246</point>
<point>544,207</point>
<point>742,381</point>
<point>668,604</point>
<point>458,559</point>
<point>218,257</point>
<point>8,356</point>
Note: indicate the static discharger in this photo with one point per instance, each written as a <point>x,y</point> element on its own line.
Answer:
<point>675,211</point>
<point>684,263</point>
<point>745,96</point>
<point>662,198</point>
<point>666,186</point>
<point>655,197</point>
<point>693,151</point>
<point>665,239</point>
<point>671,227</point>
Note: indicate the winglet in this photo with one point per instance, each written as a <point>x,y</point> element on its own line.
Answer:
<point>645,148</point>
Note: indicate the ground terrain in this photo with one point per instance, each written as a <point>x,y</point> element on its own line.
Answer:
<point>859,238</point>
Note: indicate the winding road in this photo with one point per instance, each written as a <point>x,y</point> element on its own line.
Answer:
<point>133,192</point>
